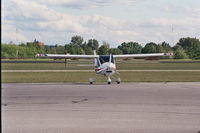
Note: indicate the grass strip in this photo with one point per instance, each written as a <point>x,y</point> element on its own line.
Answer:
<point>120,66</point>
<point>55,77</point>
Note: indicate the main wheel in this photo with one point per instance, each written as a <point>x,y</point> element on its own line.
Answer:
<point>118,81</point>
<point>91,80</point>
<point>109,83</point>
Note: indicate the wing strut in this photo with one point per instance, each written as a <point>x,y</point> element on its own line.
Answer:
<point>65,62</point>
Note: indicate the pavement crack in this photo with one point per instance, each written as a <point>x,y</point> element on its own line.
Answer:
<point>79,101</point>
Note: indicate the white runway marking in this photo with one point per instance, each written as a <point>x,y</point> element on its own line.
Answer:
<point>93,70</point>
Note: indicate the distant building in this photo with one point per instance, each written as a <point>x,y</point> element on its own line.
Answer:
<point>41,43</point>
<point>52,46</point>
<point>35,42</point>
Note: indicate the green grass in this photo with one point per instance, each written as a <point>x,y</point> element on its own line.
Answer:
<point>47,77</point>
<point>122,66</point>
<point>159,66</point>
<point>44,77</point>
<point>43,66</point>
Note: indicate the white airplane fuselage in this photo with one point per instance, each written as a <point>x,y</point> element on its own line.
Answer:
<point>106,69</point>
<point>105,65</point>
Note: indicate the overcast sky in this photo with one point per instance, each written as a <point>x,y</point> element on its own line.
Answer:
<point>113,21</point>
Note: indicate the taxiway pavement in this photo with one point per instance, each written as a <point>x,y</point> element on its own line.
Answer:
<point>94,70</point>
<point>101,108</point>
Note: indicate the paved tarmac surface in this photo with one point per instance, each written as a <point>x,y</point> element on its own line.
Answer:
<point>101,108</point>
<point>94,70</point>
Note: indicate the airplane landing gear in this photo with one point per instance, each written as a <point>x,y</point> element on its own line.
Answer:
<point>118,81</point>
<point>109,80</point>
<point>91,81</point>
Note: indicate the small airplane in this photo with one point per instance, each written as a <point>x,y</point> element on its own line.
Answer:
<point>104,64</point>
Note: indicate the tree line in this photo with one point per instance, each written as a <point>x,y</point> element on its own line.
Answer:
<point>183,49</point>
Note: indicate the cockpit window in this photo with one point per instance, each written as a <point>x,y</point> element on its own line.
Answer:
<point>105,58</point>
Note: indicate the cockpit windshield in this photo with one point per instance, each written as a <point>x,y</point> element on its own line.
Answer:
<point>105,58</point>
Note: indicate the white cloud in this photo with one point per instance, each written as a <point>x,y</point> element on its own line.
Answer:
<point>195,12</point>
<point>59,23</point>
<point>11,33</point>
<point>170,29</point>
<point>23,10</point>
<point>36,20</point>
<point>77,4</point>
<point>67,23</point>
<point>183,11</point>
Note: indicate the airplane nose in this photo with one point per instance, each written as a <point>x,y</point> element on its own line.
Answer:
<point>109,68</point>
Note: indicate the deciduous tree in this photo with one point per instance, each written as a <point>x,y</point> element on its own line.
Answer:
<point>179,53</point>
<point>191,47</point>
<point>104,49</point>
<point>150,48</point>
<point>77,40</point>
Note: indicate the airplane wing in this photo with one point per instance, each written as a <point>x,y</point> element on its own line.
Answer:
<point>142,55</point>
<point>63,56</point>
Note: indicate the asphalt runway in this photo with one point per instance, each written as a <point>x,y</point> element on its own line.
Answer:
<point>101,108</point>
<point>94,70</point>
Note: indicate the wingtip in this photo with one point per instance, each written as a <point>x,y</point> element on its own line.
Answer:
<point>170,54</point>
<point>40,55</point>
